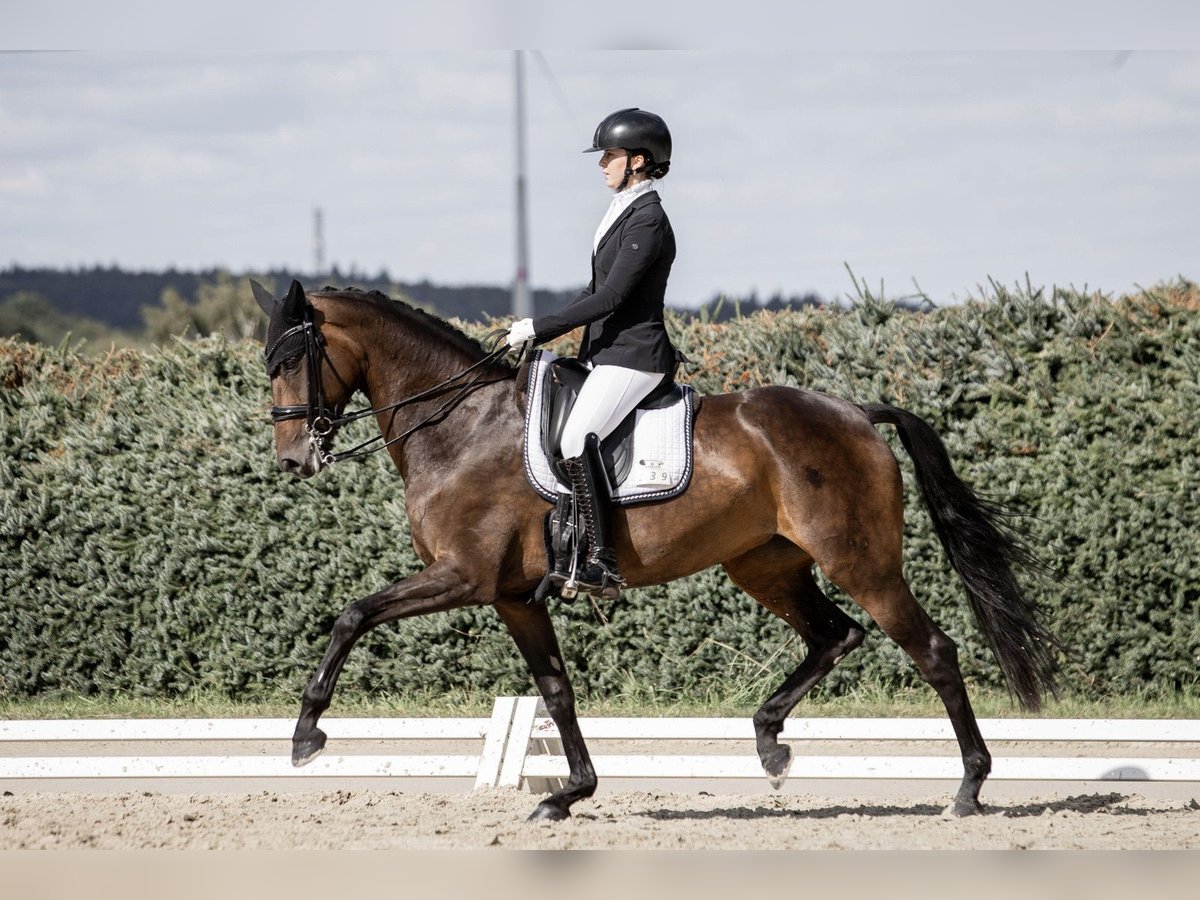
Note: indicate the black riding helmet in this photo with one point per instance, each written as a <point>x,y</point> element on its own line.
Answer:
<point>635,131</point>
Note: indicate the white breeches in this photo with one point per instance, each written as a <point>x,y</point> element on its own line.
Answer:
<point>608,395</point>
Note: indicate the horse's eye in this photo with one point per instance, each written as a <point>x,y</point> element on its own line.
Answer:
<point>292,366</point>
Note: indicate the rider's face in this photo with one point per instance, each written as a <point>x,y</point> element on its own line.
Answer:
<point>612,163</point>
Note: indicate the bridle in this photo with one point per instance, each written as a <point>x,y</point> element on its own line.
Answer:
<point>321,420</point>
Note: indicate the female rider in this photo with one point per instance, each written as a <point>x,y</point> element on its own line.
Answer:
<point>626,344</point>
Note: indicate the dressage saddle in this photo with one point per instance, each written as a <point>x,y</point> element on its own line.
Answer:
<point>563,379</point>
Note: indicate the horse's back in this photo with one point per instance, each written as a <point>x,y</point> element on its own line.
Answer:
<point>791,420</point>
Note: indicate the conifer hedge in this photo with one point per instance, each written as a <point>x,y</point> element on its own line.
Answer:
<point>149,545</point>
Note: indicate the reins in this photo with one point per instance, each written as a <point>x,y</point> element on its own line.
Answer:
<point>321,422</point>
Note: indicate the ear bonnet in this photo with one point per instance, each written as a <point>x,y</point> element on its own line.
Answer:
<point>286,335</point>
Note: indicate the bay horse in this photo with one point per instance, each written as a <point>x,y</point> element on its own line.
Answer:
<point>784,480</point>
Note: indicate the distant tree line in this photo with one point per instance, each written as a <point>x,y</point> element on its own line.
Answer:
<point>107,305</point>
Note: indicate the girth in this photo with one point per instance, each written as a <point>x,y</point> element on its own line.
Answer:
<point>563,380</point>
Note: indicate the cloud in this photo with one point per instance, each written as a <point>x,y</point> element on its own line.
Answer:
<point>29,182</point>
<point>947,167</point>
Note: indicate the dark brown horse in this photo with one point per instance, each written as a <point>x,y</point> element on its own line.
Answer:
<point>784,479</point>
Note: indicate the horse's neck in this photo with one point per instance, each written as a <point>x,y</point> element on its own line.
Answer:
<point>401,365</point>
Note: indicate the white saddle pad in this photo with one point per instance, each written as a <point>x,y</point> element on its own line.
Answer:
<point>662,446</point>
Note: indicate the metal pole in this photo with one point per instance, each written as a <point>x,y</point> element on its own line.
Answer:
<point>522,302</point>
<point>318,242</point>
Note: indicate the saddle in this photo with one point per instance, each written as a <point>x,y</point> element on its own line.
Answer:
<point>563,380</point>
<point>648,457</point>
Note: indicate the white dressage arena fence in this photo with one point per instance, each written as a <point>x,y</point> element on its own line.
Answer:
<point>518,746</point>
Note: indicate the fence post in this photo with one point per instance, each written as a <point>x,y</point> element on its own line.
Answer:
<point>518,741</point>
<point>496,742</point>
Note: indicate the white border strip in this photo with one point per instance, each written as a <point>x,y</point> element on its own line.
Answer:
<point>519,747</point>
<point>240,729</point>
<point>833,729</point>
<point>238,767</point>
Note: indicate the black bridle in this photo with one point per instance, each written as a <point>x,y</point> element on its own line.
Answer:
<point>322,420</point>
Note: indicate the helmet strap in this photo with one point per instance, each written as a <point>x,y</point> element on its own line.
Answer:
<point>629,170</point>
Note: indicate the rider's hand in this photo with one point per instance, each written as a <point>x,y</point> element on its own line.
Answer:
<point>520,333</point>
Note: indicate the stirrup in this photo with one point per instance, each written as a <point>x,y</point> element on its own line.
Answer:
<point>605,586</point>
<point>600,577</point>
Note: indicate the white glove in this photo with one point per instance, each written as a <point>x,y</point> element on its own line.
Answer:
<point>520,333</point>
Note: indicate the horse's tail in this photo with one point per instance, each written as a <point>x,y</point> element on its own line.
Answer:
<point>982,551</point>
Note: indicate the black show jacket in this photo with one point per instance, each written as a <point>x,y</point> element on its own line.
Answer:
<point>623,304</point>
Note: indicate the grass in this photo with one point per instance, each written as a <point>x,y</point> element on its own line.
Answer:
<point>633,700</point>
<point>216,706</point>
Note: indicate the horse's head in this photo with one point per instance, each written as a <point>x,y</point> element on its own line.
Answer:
<point>313,373</point>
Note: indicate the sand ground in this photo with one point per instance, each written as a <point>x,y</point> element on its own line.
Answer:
<point>389,819</point>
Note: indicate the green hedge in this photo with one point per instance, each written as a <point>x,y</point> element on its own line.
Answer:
<point>149,545</point>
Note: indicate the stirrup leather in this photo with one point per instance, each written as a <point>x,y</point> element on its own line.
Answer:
<point>563,544</point>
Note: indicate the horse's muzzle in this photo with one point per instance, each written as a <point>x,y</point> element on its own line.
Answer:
<point>300,468</point>
<point>302,464</point>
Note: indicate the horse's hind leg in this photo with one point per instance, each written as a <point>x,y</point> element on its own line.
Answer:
<point>779,576</point>
<point>903,620</point>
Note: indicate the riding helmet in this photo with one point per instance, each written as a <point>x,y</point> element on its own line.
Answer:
<point>633,129</point>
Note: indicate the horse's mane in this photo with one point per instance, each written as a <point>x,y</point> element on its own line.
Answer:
<point>425,321</point>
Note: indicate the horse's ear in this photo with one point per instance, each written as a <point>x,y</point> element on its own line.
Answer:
<point>294,304</point>
<point>264,298</point>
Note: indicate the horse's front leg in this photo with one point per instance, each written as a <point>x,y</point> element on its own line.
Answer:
<point>530,626</point>
<point>438,588</point>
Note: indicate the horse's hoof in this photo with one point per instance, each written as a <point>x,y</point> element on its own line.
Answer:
<point>306,749</point>
<point>777,764</point>
<point>961,807</point>
<point>548,812</point>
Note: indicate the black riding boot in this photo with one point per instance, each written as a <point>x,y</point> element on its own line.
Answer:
<point>598,575</point>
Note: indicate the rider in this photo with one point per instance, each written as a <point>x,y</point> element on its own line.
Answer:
<point>625,344</point>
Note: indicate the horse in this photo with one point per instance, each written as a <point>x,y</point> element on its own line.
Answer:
<point>784,480</point>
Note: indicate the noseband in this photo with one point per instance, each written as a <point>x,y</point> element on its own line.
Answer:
<point>322,420</point>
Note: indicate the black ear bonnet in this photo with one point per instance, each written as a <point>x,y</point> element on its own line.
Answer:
<point>286,338</point>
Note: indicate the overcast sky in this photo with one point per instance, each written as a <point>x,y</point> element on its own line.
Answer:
<point>940,167</point>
